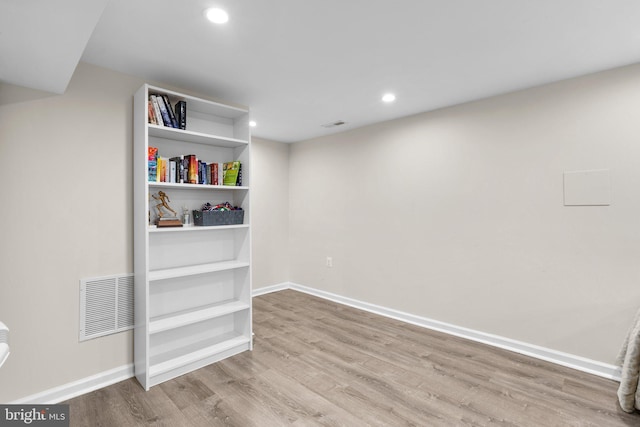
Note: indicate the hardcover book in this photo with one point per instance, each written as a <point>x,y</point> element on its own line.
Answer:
<point>152,158</point>
<point>214,174</point>
<point>162,169</point>
<point>179,161</point>
<point>192,171</point>
<point>185,169</point>
<point>230,173</point>
<point>172,117</point>
<point>151,113</point>
<point>164,112</point>
<point>156,109</point>
<point>181,114</point>
<point>172,171</point>
<point>202,175</point>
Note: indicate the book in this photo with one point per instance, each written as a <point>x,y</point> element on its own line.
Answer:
<point>181,114</point>
<point>230,173</point>
<point>151,113</point>
<point>162,169</point>
<point>152,158</point>
<point>185,169</point>
<point>210,173</point>
<point>163,111</point>
<point>172,117</point>
<point>214,174</point>
<point>202,172</point>
<point>172,170</point>
<point>159,169</point>
<point>179,161</point>
<point>192,168</point>
<point>156,109</point>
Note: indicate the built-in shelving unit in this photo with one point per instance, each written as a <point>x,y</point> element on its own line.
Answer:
<point>192,284</point>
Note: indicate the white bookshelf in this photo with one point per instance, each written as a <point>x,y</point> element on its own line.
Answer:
<point>192,284</point>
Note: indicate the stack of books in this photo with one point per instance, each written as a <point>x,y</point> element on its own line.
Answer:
<point>188,169</point>
<point>161,112</point>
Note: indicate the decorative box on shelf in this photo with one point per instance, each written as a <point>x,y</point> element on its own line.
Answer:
<point>208,218</point>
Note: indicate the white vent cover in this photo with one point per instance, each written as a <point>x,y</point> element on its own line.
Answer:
<point>106,305</point>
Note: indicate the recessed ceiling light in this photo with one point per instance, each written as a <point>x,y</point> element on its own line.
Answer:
<point>253,124</point>
<point>389,97</point>
<point>216,15</point>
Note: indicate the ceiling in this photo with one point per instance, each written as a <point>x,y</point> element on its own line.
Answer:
<point>41,41</point>
<point>301,64</point>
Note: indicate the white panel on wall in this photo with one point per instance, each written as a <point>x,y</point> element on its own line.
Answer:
<point>587,188</point>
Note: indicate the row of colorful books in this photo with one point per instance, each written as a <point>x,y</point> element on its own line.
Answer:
<point>161,112</point>
<point>188,169</point>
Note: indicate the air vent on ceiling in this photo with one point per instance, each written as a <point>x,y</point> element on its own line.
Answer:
<point>334,124</point>
<point>106,305</point>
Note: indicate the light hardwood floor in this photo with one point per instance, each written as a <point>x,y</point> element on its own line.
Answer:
<point>320,363</point>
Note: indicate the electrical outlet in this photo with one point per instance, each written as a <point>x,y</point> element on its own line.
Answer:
<point>329,262</point>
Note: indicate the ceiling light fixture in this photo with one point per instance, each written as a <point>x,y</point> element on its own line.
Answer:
<point>216,15</point>
<point>389,97</point>
<point>253,124</point>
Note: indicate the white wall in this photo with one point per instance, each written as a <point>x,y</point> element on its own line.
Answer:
<point>270,212</point>
<point>67,206</point>
<point>457,215</point>
<point>67,203</point>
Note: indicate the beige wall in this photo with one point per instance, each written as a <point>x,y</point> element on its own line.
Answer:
<point>67,200</point>
<point>67,207</point>
<point>270,212</point>
<point>457,215</point>
<point>454,215</point>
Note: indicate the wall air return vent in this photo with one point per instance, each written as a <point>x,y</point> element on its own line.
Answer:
<point>334,124</point>
<point>106,305</point>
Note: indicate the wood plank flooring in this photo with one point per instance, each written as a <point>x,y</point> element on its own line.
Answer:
<point>317,363</point>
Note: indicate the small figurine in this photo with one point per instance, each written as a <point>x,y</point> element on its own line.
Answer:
<point>163,199</point>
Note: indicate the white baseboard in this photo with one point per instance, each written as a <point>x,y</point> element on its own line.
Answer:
<point>579,363</point>
<point>77,388</point>
<point>269,289</point>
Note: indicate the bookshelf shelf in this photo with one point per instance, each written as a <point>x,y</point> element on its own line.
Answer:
<point>194,137</point>
<point>204,187</point>
<point>169,361</point>
<point>154,229</point>
<point>202,106</point>
<point>192,283</point>
<point>191,270</point>
<point>198,314</point>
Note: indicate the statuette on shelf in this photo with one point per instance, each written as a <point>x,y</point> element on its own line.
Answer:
<point>163,219</point>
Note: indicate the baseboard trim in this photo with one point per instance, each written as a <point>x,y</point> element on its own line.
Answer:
<point>79,387</point>
<point>579,363</point>
<point>269,289</point>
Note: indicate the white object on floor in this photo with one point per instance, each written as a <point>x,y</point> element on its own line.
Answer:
<point>4,343</point>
